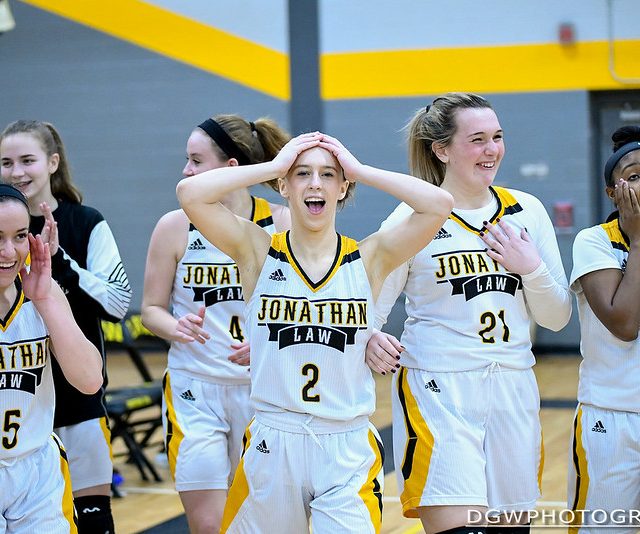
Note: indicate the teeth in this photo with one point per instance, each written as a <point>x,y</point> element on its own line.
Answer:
<point>488,165</point>
<point>5,265</point>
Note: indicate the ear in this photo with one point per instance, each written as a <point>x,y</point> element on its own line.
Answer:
<point>344,188</point>
<point>610,192</point>
<point>54,161</point>
<point>282,188</point>
<point>233,162</point>
<point>441,152</point>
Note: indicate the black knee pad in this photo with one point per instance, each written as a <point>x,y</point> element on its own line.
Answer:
<point>94,514</point>
<point>509,529</point>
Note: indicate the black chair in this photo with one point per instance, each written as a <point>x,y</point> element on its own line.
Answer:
<point>124,404</point>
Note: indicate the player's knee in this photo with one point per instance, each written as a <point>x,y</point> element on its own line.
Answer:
<point>94,514</point>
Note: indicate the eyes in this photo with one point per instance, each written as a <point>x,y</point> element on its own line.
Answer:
<point>480,139</point>
<point>324,174</point>
<point>6,163</point>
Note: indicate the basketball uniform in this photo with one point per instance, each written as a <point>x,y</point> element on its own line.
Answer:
<point>36,488</point>
<point>465,404</point>
<point>206,397</point>
<point>605,454</point>
<point>310,451</point>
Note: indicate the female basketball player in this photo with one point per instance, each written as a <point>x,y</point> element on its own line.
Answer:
<point>467,436</point>
<point>87,265</point>
<point>36,323</point>
<point>206,388</point>
<point>310,451</point>
<point>605,455</point>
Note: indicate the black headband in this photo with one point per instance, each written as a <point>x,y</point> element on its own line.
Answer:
<point>616,157</point>
<point>224,141</point>
<point>10,191</point>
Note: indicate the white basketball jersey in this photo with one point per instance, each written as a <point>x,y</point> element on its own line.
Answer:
<point>308,339</point>
<point>610,370</point>
<point>27,398</point>
<point>466,311</point>
<point>208,277</point>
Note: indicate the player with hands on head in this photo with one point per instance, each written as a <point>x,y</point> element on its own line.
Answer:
<point>471,295</point>
<point>86,264</point>
<point>193,298</point>
<point>604,455</point>
<point>310,294</point>
<point>36,324</point>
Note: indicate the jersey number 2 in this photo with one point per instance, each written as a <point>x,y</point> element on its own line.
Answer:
<point>489,320</point>
<point>313,373</point>
<point>10,428</point>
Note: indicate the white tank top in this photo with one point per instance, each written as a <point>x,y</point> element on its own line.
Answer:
<point>308,339</point>
<point>208,277</point>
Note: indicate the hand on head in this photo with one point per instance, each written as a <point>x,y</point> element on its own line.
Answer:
<point>290,152</point>
<point>346,159</point>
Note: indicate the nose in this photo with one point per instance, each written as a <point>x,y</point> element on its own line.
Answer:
<point>17,170</point>
<point>7,248</point>
<point>187,170</point>
<point>491,147</point>
<point>315,182</point>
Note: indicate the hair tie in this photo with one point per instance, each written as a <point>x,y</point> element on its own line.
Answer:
<point>224,141</point>
<point>254,132</point>
<point>427,108</point>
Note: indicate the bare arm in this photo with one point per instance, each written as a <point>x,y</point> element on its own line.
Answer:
<point>613,296</point>
<point>79,359</point>
<point>391,246</point>
<point>166,247</point>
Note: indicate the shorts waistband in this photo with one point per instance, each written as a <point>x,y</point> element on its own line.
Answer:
<point>303,423</point>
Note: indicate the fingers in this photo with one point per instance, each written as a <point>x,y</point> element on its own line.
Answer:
<point>383,353</point>
<point>46,211</point>
<point>241,354</point>
<point>189,329</point>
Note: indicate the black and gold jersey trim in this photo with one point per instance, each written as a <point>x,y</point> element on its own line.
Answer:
<point>261,212</point>
<point>507,205</point>
<point>15,307</point>
<point>346,252</point>
<point>617,237</point>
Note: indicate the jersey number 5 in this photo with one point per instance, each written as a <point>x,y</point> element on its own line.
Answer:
<point>10,428</point>
<point>489,321</point>
<point>313,373</point>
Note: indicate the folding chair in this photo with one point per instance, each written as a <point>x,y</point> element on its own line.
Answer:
<point>124,404</point>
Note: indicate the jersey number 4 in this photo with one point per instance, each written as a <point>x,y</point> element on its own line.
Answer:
<point>489,321</point>
<point>235,330</point>
<point>10,428</point>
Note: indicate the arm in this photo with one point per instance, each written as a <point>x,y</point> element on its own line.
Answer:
<point>614,296</point>
<point>545,282</point>
<point>391,246</point>
<point>167,244</point>
<point>79,359</point>
<point>104,280</point>
<point>200,196</point>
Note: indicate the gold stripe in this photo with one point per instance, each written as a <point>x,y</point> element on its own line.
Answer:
<point>582,470</point>
<point>541,464</point>
<point>183,39</point>
<point>262,209</point>
<point>5,324</point>
<point>368,491</point>
<point>612,228</point>
<point>68,508</point>
<point>414,485</point>
<point>523,68</point>
<point>106,431</point>
<point>177,435</point>
<point>239,490</point>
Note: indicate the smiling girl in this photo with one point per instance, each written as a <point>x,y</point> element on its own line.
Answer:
<point>466,427</point>
<point>310,451</point>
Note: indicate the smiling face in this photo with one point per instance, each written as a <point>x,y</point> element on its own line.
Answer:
<point>476,149</point>
<point>14,243</point>
<point>26,166</point>
<point>314,186</point>
<point>201,154</point>
<point>628,170</point>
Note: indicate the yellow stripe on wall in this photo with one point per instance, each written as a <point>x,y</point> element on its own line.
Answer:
<point>495,69</point>
<point>170,34</point>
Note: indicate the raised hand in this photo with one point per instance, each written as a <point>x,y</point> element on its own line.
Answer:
<point>49,232</point>
<point>241,354</point>
<point>627,202</point>
<point>289,152</point>
<point>383,352</point>
<point>516,253</point>
<point>347,160</point>
<point>189,328</point>
<point>36,283</point>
